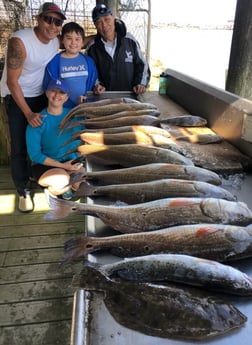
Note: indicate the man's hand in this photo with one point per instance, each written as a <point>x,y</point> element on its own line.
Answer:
<point>138,89</point>
<point>34,119</point>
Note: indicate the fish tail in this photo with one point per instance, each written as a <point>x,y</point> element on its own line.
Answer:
<point>76,248</point>
<point>60,208</point>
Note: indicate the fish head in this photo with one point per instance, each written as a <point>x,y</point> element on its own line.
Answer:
<point>91,279</point>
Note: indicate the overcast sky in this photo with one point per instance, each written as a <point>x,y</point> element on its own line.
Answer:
<point>193,11</point>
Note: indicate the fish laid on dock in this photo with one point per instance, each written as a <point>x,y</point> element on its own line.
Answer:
<point>202,139</point>
<point>103,110</point>
<point>210,241</point>
<point>122,121</point>
<point>158,214</point>
<point>184,269</point>
<point>148,172</point>
<point>134,128</point>
<point>133,193</point>
<point>152,112</point>
<point>132,155</point>
<point>184,121</point>
<point>182,312</point>
<point>147,130</point>
<point>137,137</point>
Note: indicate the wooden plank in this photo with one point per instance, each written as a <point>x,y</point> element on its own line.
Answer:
<point>36,290</point>
<point>71,228</point>
<point>49,333</point>
<point>29,273</point>
<point>36,311</point>
<point>34,218</point>
<point>36,242</point>
<point>31,257</point>
<point>36,293</point>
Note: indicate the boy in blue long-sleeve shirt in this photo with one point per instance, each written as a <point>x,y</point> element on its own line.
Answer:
<point>51,164</point>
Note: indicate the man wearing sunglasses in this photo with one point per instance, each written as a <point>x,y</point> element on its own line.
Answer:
<point>120,63</point>
<point>28,52</point>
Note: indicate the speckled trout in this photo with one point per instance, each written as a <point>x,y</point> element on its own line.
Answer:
<point>158,214</point>
<point>184,121</point>
<point>185,269</point>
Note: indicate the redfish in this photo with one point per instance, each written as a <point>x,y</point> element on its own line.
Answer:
<point>133,193</point>
<point>184,269</point>
<point>105,107</point>
<point>158,214</point>
<point>132,155</point>
<point>167,311</point>
<point>136,137</point>
<point>122,121</point>
<point>148,172</point>
<point>152,112</point>
<point>210,241</point>
<point>133,128</point>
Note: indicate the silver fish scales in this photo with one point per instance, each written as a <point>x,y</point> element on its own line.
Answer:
<point>185,269</point>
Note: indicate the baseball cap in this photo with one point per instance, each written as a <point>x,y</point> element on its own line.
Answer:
<point>50,7</point>
<point>100,10</point>
<point>58,84</point>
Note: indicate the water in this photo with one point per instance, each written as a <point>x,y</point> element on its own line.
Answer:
<point>199,53</point>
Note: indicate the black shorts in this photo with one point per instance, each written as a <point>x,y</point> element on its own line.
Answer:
<point>39,169</point>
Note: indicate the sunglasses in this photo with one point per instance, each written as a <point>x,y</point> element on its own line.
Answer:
<point>51,20</point>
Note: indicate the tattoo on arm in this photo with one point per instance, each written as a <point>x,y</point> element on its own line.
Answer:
<point>15,54</point>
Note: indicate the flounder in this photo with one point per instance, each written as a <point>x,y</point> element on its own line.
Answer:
<point>167,311</point>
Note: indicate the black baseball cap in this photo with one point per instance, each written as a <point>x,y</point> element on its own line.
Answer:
<point>100,10</point>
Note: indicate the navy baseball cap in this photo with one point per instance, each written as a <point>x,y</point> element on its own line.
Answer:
<point>58,84</point>
<point>100,10</point>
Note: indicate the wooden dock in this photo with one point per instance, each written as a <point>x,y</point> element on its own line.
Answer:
<point>36,296</point>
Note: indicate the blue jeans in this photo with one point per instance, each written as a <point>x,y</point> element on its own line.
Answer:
<point>17,125</point>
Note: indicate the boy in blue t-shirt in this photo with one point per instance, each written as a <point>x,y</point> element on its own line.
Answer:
<point>71,65</point>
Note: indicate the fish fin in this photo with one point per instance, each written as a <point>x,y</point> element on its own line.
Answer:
<point>76,177</point>
<point>75,248</point>
<point>85,189</point>
<point>60,208</point>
